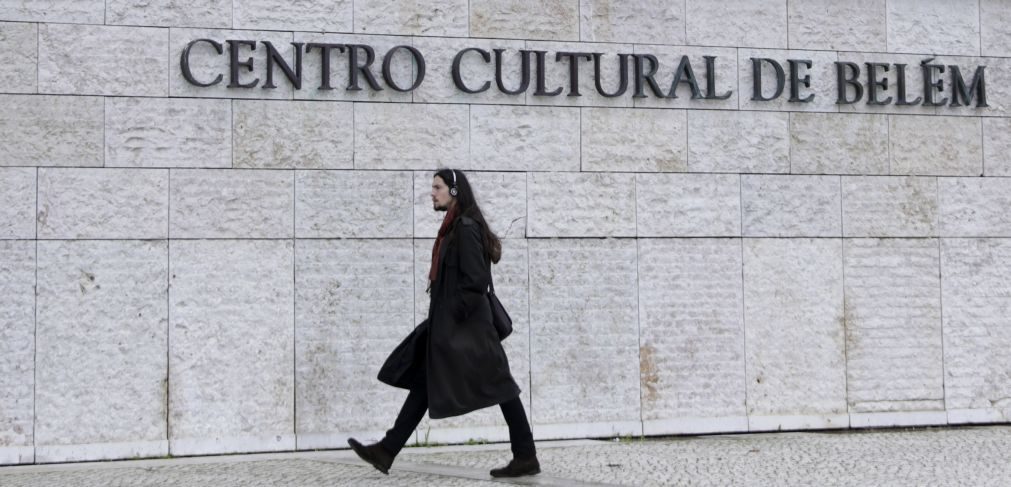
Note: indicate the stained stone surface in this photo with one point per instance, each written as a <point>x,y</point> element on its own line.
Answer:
<point>633,140</point>
<point>889,206</point>
<point>584,331</point>
<point>17,202</point>
<point>293,134</point>
<point>995,28</point>
<point>402,68</point>
<point>524,138</point>
<point>19,55</point>
<point>51,130</point>
<point>791,206</point>
<point>227,203</point>
<point>401,136</point>
<point>164,132</point>
<point>430,18</point>
<point>17,343</point>
<point>307,15</point>
<point>688,205</point>
<point>893,325</point>
<point>103,60</point>
<point>353,204</point>
<point>974,207</point>
<point>913,75</point>
<point>231,353</point>
<point>502,196</point>
<point>557,77</point>
<point>518,19</point>
<point>174,13</point>
<point>943,146</point>
<point>101,342</point>
<point>669,57</point>
<point>748,23</point>
<point>568,205</point>
<point>837,26</point>
<point>206,64</point>
<point>720,141</point>
<point>691,330</point>
<point>830,143</point>
<point>997,146</point>
<point>103,203</point>
<point>794,325</point>
<point>912,27</point>
<point>439,86</point>
<point>822,74</point>
<point>637,21</point>
<point>82,11</point>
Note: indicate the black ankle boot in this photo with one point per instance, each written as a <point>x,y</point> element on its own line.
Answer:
<point>518,468</point>
<point>375,454</point>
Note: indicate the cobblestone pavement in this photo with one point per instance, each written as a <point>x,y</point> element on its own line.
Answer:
<point>972,456</point>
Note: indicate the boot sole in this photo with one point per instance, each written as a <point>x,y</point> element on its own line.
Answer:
<point>507,475</point>
<point>360,451</point>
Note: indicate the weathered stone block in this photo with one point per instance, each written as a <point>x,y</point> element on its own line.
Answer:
<point>974,207</point>
<point>103,60</point>
<point>226,203</point>
<point>206,64</point>
<point>885,206</point>
<point>636,21</point>
<point>515,19</point>
<point>502,196</point>
<point>995,28</point>
<point>402,68</point>
<point>724,77</point>
<point>912,74</point>
<point>306,15</point>
<point>103,203</point>
<point>293,134</point>
<point>19,55</point>
<point>17,347</point>
<point>430,18</point>
<point>170,13</point>
<point>524,138</point>
<point>943,146</point>
<point>569,205</point>
<point>402,136</point>
<point>997,76</point>
<point>819,24</point>
<point>914,26</point>
<point>738,141</point>
<point>163,132</point>
<point>439,86</point>
<point>828,143</point>
<point>791,206</point>
<point>688,205</point>
<point>353,204</point>
<point>18,193</point>
<point>633,140</point>
<point>997,146</point>
<point>822,73</point>
<point>78,11</point>
<point>752,23</point>
<point>51,130</point>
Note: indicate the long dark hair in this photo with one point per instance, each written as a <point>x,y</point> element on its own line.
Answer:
<point>468,207</point>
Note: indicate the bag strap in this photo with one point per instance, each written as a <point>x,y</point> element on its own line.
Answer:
<point>491,282</point>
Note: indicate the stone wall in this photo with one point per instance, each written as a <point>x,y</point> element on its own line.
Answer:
<point>189,270</point>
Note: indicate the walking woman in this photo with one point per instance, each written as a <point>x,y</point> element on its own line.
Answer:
<point>453,362</point>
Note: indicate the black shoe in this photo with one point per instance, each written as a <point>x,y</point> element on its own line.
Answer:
<point>374,454</point>
<point>518,468</point>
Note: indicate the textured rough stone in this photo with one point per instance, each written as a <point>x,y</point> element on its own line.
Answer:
<point>913,27</point>
<point>402,69</point>
<point>17,202</point>
<point>244,389</point>
<point>353,204</point>
<point>502,196</point>
<point>550,19</point>
<point>170,13</point>
<point>822,73</point>
<point>688,205</point>
<point>837,26</point>
<point>791,206</point>
<point>206,64</point>
<point>293,134</point>
<point>632,140</point>
<point>307,15</point>
<point>750,23</point>
<point>793,315</point>
<point>557,75</point>
<point>943,146</point>
<point>19,55</point>
<point>400,136</point>
<point>439,86</point>
<point>885,206</point>
<point>103,60</point>
<point>914,84</point>
<point>430,18</point>
<point>995,28</point>
<point>725,72</point>
<point>997,147</point>
<point>226,203</point>
<point>998,86</point>
<point>569,205</point>
<point>640,22</point>
<point>829,143</point>
<point>103,203</point>
<point>584,331</point>
<point>721,141</point>
<point>101,342</point>
<point>893,325</point>
<point>974,207</point>
<point>81,11</point>
<point>524,138</point>
<point>162,132</point>
<point>17,344</point>
<point>51,130</point>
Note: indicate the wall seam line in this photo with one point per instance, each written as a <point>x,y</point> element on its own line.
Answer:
<point>744,327</point>
<point>168,314</point>
<point>35,334</point>
<point>294,310</point>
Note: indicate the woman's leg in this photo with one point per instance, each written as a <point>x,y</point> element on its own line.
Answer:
<point>407,421</point>
<point>521,438</point>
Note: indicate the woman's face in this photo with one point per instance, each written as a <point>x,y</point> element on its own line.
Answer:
<point>441,198</point>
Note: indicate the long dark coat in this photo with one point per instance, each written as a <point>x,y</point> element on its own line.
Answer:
<point>456,350</point>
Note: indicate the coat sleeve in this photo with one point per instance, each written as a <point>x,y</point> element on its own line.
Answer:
<point>473,270</point>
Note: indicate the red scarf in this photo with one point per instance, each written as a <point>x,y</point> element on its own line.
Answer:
<point>447,221</point>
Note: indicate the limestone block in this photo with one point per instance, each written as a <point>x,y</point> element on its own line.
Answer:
<point>669,57</point>
<point>913,75</point>
<point>893,325</point>
<point>995,28</point>
<point>837,26</point>
<point>101,346</point>
<point>307,15</point>
<point>997,75</point>
<point>103,203</point>
<point>751,23</point>
<point>794,325</point>
<point>78,11</point>
<point>569,205</point>
<point>293,135</point>
<point>557,75</point>
<point>584,343</point>
<point>439,86</point>
<point>640,22</point>
<point>17,346</point>
<point>163,132</point>
<point>430,18</point>
<point>51,130</point>
<point>103,60</point>
<point>997,146</point>
<point>974,207</point>
<point>231,353</point>
<point>688,205</point>
<point>691,329</point>
<point>403,136</point>
<point>633,140</point>
<point>829,143</point>
<point>518,19</point>
<point>353,204</point>
<point>943,146</point>
<point>524,138</point>
<point>738,141</point>
<point>17,202</point>
<point>402,68</point>
<point>885,206</point>
<point>206,64</point>
<point>224,203</point>
<point>822,74</point>
<point>354,302</point>
<point>791,206</point>
<point>933,27</point>
<point>502,196</point>
<point>19,55</point>
<point>170,13</point>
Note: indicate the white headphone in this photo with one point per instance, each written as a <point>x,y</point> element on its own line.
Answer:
<point>452,189</point>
